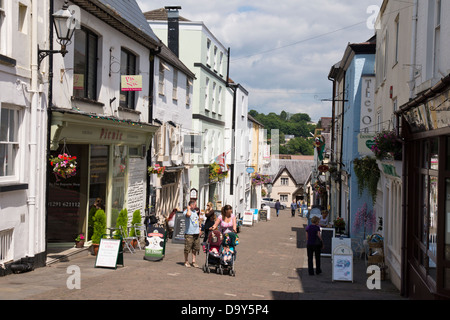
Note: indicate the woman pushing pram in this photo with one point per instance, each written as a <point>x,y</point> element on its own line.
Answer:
<point>224,230</point>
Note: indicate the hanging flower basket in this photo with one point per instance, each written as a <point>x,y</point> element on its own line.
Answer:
<point>368,175</point>
<point>387,146</point>
<point>320,188</point>
<point>259,179</point>
<point>157,169</point>
<point>216,173</point>
<point>64,165</point>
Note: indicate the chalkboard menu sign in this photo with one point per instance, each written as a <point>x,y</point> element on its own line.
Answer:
<point>327,237</point>
<point>179,228</point>
<point>263,215</point>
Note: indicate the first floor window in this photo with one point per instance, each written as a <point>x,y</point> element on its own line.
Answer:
<point>9,140</point>
<point>127,67</point>
<point>85,64</point>
<point>284,198</point>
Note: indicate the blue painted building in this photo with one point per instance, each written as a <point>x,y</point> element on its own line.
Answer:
<point>353,115</point>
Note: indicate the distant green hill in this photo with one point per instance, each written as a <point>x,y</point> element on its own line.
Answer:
<point>297,125</point>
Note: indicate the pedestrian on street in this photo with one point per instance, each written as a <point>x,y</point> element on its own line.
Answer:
<point>226,221</point>
<point>293,207</point>
<point>277,206</point>
<point>192,233</point>
<point>314,245</point>
<point>210,219</point>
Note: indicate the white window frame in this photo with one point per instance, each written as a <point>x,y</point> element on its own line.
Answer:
<point>208,53</point>
<point>219,101</point>
<point>175,85</point>
<point>213,97</point>
<point>3,27</point>
<point>14,177</point>
<point>188,91</point>
<point>161,78</point>
<point>284,181</point>
<point>284,198</point>
<point>207,94</point>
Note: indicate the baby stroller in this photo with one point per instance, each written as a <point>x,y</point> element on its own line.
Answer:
<point>228,253</point>
<point>212,249</point>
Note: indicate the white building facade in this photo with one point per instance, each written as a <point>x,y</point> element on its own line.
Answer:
<point>23,134</point>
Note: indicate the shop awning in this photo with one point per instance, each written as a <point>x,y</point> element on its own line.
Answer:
<point>76,127</point>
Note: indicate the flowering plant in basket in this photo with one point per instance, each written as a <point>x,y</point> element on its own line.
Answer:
<point>64,165</point>
<point>387,145</point>
<point>156,169</point>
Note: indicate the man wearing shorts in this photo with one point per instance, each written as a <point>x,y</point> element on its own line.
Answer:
<point>192,234</point>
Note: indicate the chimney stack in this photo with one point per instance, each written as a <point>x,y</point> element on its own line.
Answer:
<point>173,28</point>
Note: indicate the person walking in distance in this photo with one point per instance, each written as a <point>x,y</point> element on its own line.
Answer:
<point>314,245</point>
<point>293,207</point>
<point>277,207</point>
<point>192,234</point>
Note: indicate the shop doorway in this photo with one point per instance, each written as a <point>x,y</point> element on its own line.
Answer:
<point>98,176</point>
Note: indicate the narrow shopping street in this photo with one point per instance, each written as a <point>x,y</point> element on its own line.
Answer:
<point>271,265</point>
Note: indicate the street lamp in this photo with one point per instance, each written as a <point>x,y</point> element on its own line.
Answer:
<point>64,26</point>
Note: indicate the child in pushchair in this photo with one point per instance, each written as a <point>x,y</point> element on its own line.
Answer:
<point>212,248</point>
<point>221,252</point>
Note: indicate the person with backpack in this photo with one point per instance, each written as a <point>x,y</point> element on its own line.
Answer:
<point>277,207</point>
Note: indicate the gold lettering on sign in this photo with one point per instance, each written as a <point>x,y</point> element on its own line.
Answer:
<point>115,135</point>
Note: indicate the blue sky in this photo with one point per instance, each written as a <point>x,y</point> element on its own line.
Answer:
<point>282,51</point>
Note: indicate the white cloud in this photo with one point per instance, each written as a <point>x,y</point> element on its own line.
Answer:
<point>311,37</point>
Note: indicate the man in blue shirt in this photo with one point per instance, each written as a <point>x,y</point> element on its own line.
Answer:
<point>192,233</point>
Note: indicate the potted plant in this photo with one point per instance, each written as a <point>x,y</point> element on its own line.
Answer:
<point>79,241</point>
<point>64,165</point>
<point>122,222</point>
<point>136,219</point>
<point>339,224</point>
<point>387,146</point>
<point>99,229</point>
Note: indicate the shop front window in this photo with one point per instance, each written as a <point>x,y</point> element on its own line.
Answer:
<point>428,219</point>
<point>447,230</point>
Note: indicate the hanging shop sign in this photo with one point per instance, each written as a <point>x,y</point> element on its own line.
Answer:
<point>365,143</point>
<point>131,83</point>
<point>367,103</point>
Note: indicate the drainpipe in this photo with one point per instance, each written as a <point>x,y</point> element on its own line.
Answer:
<point>404,256</point>
<point>31,200</point>
<point>151,72</point>
<point>49,113</point>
